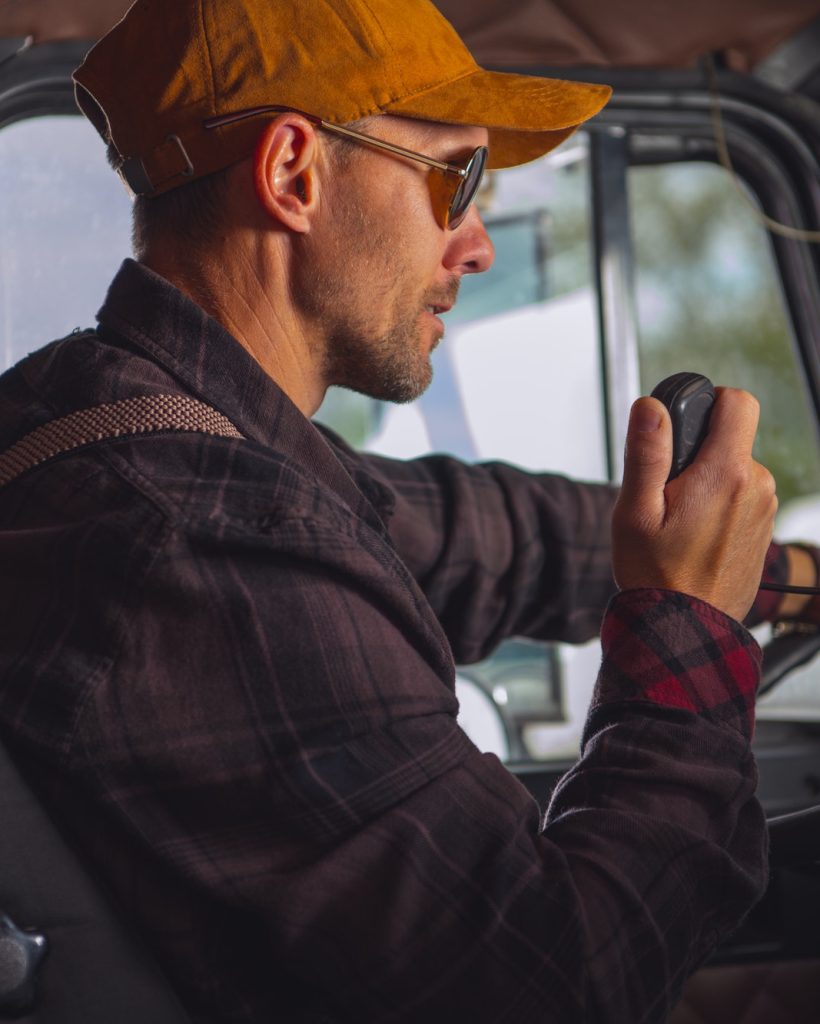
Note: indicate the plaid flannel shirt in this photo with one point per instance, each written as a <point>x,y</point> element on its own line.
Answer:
<point>229,664</point>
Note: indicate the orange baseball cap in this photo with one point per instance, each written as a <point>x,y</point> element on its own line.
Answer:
<point>169,65</point>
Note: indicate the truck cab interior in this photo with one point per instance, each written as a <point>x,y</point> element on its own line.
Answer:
<point>680,230</point>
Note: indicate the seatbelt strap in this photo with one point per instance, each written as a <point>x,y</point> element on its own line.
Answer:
<point>144,414</point>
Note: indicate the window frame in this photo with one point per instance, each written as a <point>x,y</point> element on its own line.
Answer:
<point>773,139</point>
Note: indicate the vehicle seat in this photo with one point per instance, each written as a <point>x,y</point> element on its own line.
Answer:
<point>93,972</point>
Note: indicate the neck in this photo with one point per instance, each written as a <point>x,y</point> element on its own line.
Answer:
<point>246,292</point>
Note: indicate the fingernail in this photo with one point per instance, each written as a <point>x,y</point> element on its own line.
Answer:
<point>646,418</point>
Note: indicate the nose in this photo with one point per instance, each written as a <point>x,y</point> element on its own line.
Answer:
<point>469,248</point>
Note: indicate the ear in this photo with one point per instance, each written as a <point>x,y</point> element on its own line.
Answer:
<point>285,171</point>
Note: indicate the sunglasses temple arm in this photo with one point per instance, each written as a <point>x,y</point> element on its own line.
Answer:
<point>243,115</point>
<point>368,140</point>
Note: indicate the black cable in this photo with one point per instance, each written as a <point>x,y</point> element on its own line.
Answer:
<point>785,588</point>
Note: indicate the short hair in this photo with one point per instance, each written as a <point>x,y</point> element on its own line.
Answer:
<point>194,211</point>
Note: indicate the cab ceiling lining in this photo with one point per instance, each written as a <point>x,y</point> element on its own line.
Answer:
<point>561,33</point>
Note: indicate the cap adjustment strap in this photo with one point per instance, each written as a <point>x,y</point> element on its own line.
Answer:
<point>144,175</point>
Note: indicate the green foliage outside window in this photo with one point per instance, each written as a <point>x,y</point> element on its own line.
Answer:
<point>708,301</point>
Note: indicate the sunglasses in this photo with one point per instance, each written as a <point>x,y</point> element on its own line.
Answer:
<point>461,183</point>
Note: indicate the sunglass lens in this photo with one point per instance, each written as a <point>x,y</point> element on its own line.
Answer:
<point>467,189</point>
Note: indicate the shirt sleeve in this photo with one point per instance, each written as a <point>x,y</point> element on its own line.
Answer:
<point>500,552</point>
<point>278,741</point>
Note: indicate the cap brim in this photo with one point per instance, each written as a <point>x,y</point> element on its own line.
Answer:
<point>526,116</point>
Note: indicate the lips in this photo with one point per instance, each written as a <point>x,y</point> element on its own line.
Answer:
<point>445,300</point>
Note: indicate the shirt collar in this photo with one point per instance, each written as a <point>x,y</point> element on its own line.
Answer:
<point>209,362</point>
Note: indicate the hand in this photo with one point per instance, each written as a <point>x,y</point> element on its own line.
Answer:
<point>706,532</point>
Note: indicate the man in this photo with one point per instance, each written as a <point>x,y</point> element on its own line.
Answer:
<point>230,659</point>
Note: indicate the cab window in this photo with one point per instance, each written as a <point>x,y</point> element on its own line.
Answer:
<point>526,350</point>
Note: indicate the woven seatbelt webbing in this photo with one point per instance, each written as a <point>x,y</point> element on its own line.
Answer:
<point>144,414</point>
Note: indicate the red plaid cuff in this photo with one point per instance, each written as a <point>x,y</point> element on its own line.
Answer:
<point>674,650</point>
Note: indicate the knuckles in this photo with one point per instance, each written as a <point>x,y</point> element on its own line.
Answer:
<point>766,482</point>
<point>741,402</point>
<point>739,479</point>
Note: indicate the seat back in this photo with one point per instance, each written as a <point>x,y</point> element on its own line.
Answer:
<point>93,972</point>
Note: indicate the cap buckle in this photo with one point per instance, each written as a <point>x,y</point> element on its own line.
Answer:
<point>168,160</point>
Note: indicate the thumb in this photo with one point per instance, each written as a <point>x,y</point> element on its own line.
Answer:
<point>647,460</point>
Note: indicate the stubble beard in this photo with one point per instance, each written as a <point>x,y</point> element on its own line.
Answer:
<point>392,365</point>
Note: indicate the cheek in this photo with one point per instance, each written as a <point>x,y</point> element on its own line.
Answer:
<point>421,242</point>
<point>386,230</point>
<point>415,199</point>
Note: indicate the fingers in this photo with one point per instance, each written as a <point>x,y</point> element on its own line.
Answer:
<point>647,461</point>
<point>707,531</point>
<point>732,427</point>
